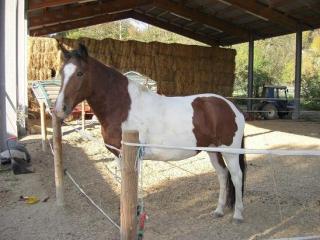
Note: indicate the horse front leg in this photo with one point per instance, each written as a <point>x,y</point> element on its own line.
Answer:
<point>222,172</point>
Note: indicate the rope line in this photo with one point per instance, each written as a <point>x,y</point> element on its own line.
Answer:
<point>281,98</point>
<point>279,152</point>
<point>91,201</point>
<point>298,238</point>
<point>276,190</point>
<point>91,138</point>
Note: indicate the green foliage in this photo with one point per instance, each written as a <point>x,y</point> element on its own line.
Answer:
<point>311,90</point>
<point>241,71</point>
<point>115,30</point>
<point>126,30</point>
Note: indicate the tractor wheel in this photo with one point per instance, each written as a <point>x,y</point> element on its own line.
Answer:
<point>270,112</point>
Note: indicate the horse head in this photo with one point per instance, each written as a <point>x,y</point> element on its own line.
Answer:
<point>75,80</point>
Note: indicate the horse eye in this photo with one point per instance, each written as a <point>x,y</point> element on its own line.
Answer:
<point>79,74</point>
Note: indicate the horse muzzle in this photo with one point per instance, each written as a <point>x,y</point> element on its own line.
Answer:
<point>62,112</point>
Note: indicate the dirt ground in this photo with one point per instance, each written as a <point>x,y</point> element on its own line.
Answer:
<point>179,196</point>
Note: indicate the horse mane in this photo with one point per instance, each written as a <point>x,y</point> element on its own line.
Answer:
<point>81,53</point>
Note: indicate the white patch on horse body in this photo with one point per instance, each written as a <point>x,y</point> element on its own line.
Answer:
<point>68,71</point>
<point>168,121</point>
<point>161,120</point>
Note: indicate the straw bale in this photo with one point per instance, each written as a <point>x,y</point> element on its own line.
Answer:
<point>178,69</point>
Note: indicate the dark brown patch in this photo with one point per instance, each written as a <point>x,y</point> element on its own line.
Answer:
<point>213,121</point>
<point>109,100</point>
<point>220,160</point>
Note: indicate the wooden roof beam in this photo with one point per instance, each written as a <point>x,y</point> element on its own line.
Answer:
<point>83,11</point>
<point>277,3</point>
<point>195,15</point>
<point>173,28</point>
<point>61,27</point>
<point>264,12</point>
<point>35,5</point>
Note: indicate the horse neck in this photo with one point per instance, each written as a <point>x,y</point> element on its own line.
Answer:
<point>109,97</point>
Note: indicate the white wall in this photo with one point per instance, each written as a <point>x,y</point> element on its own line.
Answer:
<point>2,74</point>
<point>12,66</point>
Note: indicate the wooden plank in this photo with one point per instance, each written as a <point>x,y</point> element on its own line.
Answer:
<point>49,92</point>
<point>278,3</point>
<point>43,126</point>
<point>35,4</point>
<point>78,24</point>
<point>83,11</point>
<point>58,161</point>
<point>201,17</point>
<point>173,28</point>
<point>83,115</point>
<point>53,88</point>
<point>129,187</point>
<point>265,12</point>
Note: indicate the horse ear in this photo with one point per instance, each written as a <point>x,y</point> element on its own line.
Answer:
<point>66,53</point>
<point>83,52</point>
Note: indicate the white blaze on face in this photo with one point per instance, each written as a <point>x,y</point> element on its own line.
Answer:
<point>68,71</point>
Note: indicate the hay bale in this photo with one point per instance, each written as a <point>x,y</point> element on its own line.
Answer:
<point>178,69</point>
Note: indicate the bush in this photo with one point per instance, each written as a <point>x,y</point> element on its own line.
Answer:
<point>310,90</point>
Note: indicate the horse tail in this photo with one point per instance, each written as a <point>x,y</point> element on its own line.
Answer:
<point>231,194</point>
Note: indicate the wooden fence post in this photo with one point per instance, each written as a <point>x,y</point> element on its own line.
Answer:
<point>83,115</point>
<point>58,163</point>
<point>129,187</point>
<point>43,126</point>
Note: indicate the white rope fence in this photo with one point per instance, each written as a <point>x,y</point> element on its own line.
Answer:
<point>299,238</point>
<point>91,201</point>
<point>279,152</point>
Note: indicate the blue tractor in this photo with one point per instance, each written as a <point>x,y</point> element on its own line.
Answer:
<point>275,103</point>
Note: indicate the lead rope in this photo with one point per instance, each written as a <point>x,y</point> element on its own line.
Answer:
<point>142,215</point>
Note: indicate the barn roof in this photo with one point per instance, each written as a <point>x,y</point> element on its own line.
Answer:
<point>215,22</point>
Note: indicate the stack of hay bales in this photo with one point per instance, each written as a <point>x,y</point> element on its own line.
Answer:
<point>178,69</point>
<point>43,58</point>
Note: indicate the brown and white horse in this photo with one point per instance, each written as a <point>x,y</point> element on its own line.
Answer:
<point>198,120</point>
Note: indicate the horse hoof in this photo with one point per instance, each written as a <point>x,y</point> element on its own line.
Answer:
<point>217,215</point>
<point>237,220</point>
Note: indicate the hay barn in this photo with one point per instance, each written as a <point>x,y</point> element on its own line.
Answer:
<point>282,192</point>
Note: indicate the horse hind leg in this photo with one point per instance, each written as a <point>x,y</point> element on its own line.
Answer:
<point>222,172</point>
<point>236,166</point>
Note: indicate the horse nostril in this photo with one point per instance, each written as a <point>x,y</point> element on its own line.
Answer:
<point>64,108</point>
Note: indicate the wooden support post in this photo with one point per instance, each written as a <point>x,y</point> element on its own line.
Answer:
<point>43,126</point>
<point>58,163</point>
<point>297,80</point>
<point>129,187</point>
<point>83,115</point>
<point>250,72</point>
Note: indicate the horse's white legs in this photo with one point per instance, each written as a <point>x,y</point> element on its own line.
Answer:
<point>232,161</point>
<point>222,173</point>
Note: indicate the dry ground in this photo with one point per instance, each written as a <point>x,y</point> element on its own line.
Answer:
<point>179,196</point>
